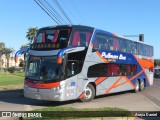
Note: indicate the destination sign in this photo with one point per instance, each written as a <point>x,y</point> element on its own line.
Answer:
<point>38,46</point>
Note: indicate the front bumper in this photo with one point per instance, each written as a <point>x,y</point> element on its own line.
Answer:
<point>44,94</point>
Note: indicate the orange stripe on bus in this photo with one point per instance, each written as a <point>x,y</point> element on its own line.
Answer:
<point>136,75</point>
<point>99,54</point>
<point>113,85</point>
<point>128,80</point>
<point>121,84</point>
<point>144,69</point>
<point>100,80</point>
<point>145,63</point>
<point>42,85</point>
<point>82,95</point>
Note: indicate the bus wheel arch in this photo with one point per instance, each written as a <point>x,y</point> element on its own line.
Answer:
<point>90,93</point>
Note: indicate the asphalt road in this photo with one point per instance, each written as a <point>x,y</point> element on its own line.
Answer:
<point>147,100</point>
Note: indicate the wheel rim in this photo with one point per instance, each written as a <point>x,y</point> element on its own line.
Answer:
<point>88,93</point>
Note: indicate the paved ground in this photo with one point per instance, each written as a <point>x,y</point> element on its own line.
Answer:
<point>147,100</point>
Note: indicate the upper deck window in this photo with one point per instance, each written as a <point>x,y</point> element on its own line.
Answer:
<point>80,37</point>
<point>57,37</point>
<point>104,42</point>
<point>52,35</point>
<point>101,42</point>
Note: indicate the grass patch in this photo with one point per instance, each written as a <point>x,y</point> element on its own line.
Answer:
<point>16,78</point>
<point>73,113</point>
<point>83,109</point>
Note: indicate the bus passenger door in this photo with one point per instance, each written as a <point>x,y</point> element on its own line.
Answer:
<point>71,72</point>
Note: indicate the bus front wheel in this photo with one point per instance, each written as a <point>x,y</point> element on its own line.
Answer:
<point>89,93</point>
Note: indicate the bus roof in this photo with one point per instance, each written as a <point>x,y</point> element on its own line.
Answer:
<point>88,27</point>
<point>69,26</point>
<point>113,34</point>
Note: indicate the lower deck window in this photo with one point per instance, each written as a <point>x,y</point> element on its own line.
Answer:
<point>108,70</point>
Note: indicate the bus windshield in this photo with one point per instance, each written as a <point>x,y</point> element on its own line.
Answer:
<point>43,69</point>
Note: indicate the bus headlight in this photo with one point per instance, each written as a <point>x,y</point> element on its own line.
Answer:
<point>57,88</point>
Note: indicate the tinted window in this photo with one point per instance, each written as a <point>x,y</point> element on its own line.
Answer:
<point>145,50</point>
<point>115,44</point>
<point>122,45</point>
<point>52,35</point>
<point>73,67</point>
<point>151,51</point>
<point>128,46</point>
<point>132,47</point>
<point>43,69</point>
<point>108,70</point>
<point>39,38</point>
<point>110,43</point>
<point>80,37</point>
<point>100,42</point>
<point>94,71</point>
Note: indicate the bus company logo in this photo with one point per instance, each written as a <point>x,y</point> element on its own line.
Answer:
<point>115,57</point>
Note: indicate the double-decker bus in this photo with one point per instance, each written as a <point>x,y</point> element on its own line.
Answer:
<point>80,62</point>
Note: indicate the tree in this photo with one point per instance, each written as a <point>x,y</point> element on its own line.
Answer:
<point>2,47</point>
<point>31,34</point>
<point>23,47</point>
<point>157,62</point>
<point>22,64</point>
<point>7,52</point>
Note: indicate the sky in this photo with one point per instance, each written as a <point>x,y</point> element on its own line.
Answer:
<point>123,17</point>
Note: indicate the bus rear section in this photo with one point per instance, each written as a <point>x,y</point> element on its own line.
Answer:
<point>118,64</point>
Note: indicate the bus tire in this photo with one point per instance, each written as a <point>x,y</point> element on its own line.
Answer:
<point>89,93</point>
<point>142,85</point>
<point>137,86</point>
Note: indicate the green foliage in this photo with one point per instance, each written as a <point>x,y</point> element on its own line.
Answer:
<point>31,34</point>
<point>11,69</point>
<point>22,63</point>
<point>24,46</point>
<point>157,62</point>
<point>9,79</point>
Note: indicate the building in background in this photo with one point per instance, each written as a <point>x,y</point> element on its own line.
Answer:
<point>11,61</point>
